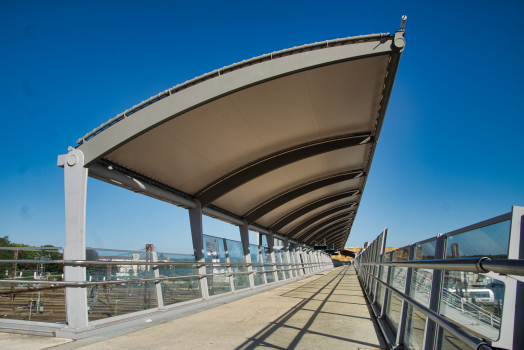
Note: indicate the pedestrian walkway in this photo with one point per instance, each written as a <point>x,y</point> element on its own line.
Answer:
<point>327,310</point>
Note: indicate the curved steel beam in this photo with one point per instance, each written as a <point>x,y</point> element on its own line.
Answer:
<point>274,161</point>
<point>329,234</point>
<point>320,240</point>
<point>321,225</point>
<point>336,226</point>
<point>339,240</point>
<point>320,216</point>
<point>285,220</point>
<point>320,234</point>
<point>284,197</point>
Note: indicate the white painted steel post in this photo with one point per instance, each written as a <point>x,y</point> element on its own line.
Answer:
<point>261,258</point>
<point>197,235</point>
<point>158,284</point>
<point>75,184</point>
<point>244,238</point>
<point>270,243</point>
<point>229,268</point>
<point>298,252</point>
<point>288,257</point>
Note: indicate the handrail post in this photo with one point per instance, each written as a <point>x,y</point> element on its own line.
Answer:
<point>229,268</point>
<point>288,257</point>
<point>382,250</point>
<point>404,309</point>
<point>430,332</point>
<point>270,244</point>
<point>244,238</point>
<point>158,284</point>
<point>75,185</point>
<point>197,235</point>
<point>386,291</point>
<point>262,261</point>
<point>300,261</point>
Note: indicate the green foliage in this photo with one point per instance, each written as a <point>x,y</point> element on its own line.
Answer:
<point>6,269</point>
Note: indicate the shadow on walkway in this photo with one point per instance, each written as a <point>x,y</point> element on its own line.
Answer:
<point>332,312</point>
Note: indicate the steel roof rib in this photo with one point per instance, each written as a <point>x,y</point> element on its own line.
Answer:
<point>283,221</point>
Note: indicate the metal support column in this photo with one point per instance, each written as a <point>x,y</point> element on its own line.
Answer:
<point>197,235</point>
<point>75,184</point>
<point>244,238</point>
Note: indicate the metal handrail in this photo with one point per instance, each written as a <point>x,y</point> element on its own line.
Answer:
<point>475,265</point>
<point>160,263</point>
<point>468,339</point>
<point>86,283</point>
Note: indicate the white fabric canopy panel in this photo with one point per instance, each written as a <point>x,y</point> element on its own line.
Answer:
<point>265,139</point>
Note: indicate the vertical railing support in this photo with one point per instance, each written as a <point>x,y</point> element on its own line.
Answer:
<point>244,238</point>
<point>288,257</point>
<point>75,185</point>
<point>263,269</point>
<point>197,235</point>
<point>158,284</point>
<point>380,268</point>
<point>298,255</point>
<point>404,309</point>
<point>229,268</point>
<point>386,291</point>
<point>434,297</point>
<point>270,244</point>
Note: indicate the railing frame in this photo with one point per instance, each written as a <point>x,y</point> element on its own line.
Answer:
<point>367,263</point>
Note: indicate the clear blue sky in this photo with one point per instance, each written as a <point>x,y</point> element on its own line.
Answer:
<point>451,150</point>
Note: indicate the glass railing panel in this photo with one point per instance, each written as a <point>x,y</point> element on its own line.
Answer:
<point>472,300</point>
<point>283,254</point>
<point>216,253</point>
<point>398,281</point>
<point>278,261</point>
<point>415,325</point>
<point>109,300</point>
<point>294,273</point>
<point>258,277</point>
<point>490,241</point>
<point>96,272</point>
<point>176,270</point>
<point>32,302</point>
<point>266,259</point>
<point>235,250</point>
<point>383,277</point>
<point>447,341</point>
<point>178,290</point>
<point>420,291</point>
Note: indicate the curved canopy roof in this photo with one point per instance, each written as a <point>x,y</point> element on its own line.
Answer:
<point>283,141</point>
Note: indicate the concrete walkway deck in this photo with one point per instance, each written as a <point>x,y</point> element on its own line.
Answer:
<point>327,310</point>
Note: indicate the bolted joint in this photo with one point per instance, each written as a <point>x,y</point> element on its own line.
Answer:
<point>398,40</point>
